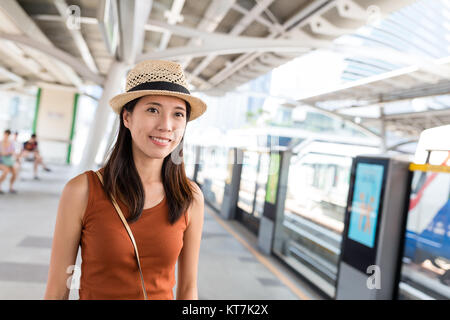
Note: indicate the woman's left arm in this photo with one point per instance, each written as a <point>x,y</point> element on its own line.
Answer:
<point>188,259</point>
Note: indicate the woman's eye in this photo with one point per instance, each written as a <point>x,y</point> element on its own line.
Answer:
<point>152,110</point>
<point>179,114</point>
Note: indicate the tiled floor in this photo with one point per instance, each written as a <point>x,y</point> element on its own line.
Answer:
<point>227,268</point>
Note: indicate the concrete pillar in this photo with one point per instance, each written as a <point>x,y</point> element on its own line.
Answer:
<point>231,190</point>
<point>97,130</point>
<point>111,138</point>
<point>383,144</point>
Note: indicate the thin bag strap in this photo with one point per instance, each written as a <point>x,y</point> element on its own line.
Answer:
<point>124,221</point>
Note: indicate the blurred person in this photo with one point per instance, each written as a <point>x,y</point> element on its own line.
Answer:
<point>8,160</point>
<point>17,151</point>
<point>144,183</point>
<point>16,142</point>
<point>30,152</point>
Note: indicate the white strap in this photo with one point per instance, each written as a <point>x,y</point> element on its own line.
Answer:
<point>124,221</point>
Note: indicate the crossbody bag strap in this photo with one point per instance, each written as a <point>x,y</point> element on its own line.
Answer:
<point>130,234</point>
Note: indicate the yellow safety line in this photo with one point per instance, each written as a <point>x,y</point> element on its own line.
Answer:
<point>263,260</point>
<point>428,167</point>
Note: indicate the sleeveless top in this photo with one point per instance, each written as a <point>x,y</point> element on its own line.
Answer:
<point>7,160</point>
<point>109,269</point>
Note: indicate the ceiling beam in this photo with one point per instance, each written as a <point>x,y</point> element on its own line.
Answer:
<point>8,86</point>
<point>28,27</point>
<point>133,15</point>
<point>237,29</point>
<point>420,114</point>
<point>10,75</point>
<point>299,19</point>
<point>216,43</point>
<point>18,57</point>
<point>260,19</point>
<point>81,44</point>
<point>62,57</point>
<point>212,18</point>
<point>173,17</point>
<point>58,18</point>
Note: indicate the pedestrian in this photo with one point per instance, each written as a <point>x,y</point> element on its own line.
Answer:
<point>8,160</point>
<point>138,215</point>
<point>31,152</point>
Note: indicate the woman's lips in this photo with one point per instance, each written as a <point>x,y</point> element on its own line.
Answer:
<point>159,142</point>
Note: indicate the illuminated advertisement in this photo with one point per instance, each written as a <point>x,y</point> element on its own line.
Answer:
<point>365,203</point>
<point>272,181</point>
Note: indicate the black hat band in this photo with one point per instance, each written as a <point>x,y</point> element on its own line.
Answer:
<point>160,85</point>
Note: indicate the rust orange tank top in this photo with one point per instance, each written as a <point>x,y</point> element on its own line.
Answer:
<point>109,268</point>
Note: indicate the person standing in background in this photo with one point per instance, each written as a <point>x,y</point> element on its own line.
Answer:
<point>7,154</point>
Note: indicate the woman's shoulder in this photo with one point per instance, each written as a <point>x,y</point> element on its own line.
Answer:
<point>78,186</point>
<point>197,191</point>
<point>76,192</point>
<point>79,182</point>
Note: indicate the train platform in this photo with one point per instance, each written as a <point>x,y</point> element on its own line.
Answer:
<point>230,265</point>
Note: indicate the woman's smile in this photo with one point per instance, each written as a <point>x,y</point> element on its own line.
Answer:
<point>160,141</point>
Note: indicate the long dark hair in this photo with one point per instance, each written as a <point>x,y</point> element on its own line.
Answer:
<point>122,180</point>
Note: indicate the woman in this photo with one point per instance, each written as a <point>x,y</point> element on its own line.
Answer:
<point>146,176</point>
<point>8,160</point>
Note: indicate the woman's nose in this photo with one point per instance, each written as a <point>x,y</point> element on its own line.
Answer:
<point>165,123</point>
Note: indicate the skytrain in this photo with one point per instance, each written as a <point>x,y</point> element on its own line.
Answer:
<point>428,222</point>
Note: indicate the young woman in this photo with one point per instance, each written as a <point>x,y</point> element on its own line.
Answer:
<point>145,175</point>
<point>8,160</point>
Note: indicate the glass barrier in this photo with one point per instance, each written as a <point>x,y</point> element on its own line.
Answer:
<point>309,236</point>
<point>425,272</point>
<point>213,173</point>
<point>189,160</point>
<point>263,173</point>
<point>252,188</point>
<point>247,185</point>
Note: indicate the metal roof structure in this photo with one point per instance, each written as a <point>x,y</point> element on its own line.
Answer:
<point>397,51</point>
<point>221,43</point>
<point>398,63</point>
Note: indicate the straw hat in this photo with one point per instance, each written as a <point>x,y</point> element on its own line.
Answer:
<point>157,77</point>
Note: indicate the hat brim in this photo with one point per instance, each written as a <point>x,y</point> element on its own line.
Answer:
<point>198,107</point>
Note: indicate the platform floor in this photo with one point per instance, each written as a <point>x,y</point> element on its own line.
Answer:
<point>230,266</point>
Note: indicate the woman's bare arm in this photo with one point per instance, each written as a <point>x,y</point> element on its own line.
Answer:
<point>66,237</point>
<point>188,259</point>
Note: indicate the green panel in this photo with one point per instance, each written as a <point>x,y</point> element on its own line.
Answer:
<point>72,130</point>
<point>272,181</point>
<point>36,110</point>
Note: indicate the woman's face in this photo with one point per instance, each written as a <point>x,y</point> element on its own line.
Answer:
<point>157,124</point>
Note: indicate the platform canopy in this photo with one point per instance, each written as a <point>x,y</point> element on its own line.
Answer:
<point>397,76</point>
<point>221,43</point>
